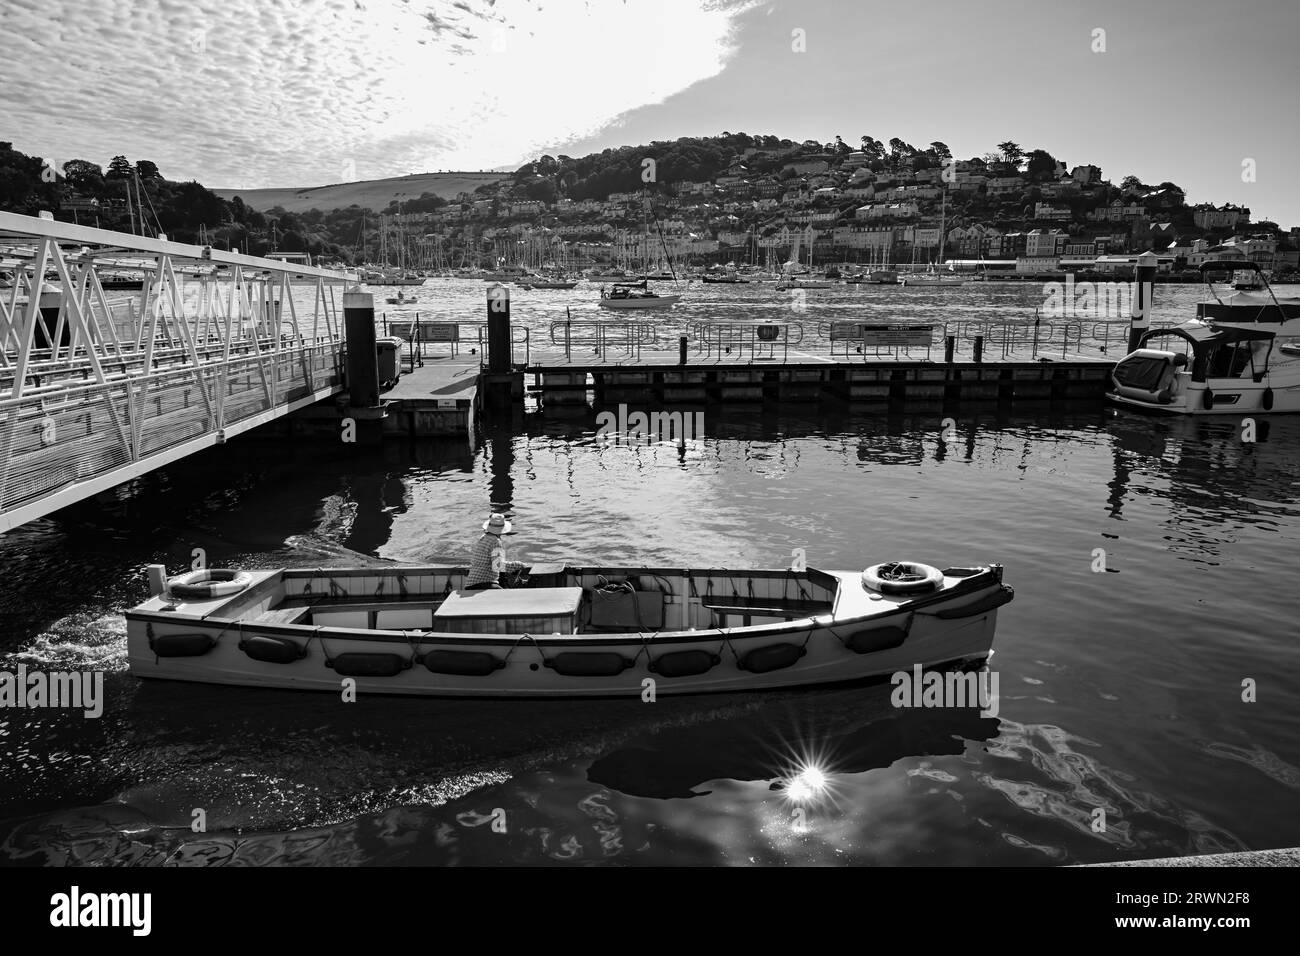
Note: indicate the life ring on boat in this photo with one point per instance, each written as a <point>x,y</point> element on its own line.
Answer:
<point>901,577</point>
<point>209,584</point>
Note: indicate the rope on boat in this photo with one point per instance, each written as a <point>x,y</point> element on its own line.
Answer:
<point>522,638</point>
<point>794,576</point>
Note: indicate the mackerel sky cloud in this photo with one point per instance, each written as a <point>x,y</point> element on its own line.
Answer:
<point>251,92</point>
<point>254,93</point>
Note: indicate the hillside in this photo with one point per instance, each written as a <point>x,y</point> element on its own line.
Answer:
<point>371,194</point>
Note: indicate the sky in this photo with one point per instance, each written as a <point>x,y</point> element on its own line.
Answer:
<point>260,93</point>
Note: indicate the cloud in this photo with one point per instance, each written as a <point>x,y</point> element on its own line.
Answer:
<point>247,93</point>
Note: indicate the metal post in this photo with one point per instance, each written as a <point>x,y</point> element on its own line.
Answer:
<point>363,361</point>
<point>1144,276</point>
<point>949,347</point>
<point>500,357</point>
<point>681,350</point>
<point>979,350</point>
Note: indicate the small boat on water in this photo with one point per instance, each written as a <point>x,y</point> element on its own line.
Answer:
<point>401,299</point>
<point>1239,356</point>
<point>563,631</point>
<point>1246,280</point>
<point>549,282</point>
<point>635,295</point>
<point>798,282</point>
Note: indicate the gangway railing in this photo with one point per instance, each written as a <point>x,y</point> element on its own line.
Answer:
<point>97,389</point>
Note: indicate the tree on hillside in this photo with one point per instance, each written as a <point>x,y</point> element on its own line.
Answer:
<point>119,167</point>
<point>940,151</point>
<point>1011,152</point>
<point>1133,184</point>
<point>147,170</point>
<point>84,176</point>
<point>1040,163</point>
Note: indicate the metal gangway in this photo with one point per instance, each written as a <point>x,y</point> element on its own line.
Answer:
<point>120,354</point>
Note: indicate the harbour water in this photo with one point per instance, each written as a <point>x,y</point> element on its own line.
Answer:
<point>1120,690</point>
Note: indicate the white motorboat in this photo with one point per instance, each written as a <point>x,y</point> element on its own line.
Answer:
<point>932,279</point>
<point>1237,357</point>
<point>567,632</point>
<point>798,282</point>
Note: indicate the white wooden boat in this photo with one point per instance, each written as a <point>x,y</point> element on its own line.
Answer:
<point>1236,357</point>
<point>569,632</point>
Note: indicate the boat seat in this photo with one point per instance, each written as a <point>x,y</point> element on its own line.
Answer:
<point>789,609</point>
<point>284,615</point>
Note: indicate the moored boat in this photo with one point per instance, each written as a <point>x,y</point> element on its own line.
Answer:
<point>566,632</point>
<point>635,295</point>
<point>1236,357</point>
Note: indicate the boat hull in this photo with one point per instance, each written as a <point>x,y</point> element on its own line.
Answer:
<point>864,638</point>
<point>655,302</point>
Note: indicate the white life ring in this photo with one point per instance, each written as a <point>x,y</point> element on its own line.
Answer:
<point>209,584</point>
<point>901,577</point>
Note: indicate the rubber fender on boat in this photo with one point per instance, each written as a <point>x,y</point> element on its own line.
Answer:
<point>771,658</point>
<point>181,645</point>
<point>589,663</point>
<point>901,577</point>
<point>990,602</point>
<point>1266,400</point>
<point>273,650</point>
<point>464,663</point>
<point>876,639</point>
<point>1207,399</point>
<point>208,584</point>
<point>369,664</point>
<point>684,663</point>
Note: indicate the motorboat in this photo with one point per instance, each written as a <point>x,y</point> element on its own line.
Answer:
<point>799,282</point>
<point>561,631</point>
<point>932,279</point>
<point>1245,280</point>
<point>548,282</point>
<point>400,299</point>
<point>726,278</point>
<point>1238,356</point>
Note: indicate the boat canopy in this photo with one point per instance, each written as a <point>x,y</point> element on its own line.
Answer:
<point>1203,337</point>
<point>1244,307</point>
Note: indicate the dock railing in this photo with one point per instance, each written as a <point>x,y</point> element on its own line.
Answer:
<point>761,337</point>
<point>603,335</point>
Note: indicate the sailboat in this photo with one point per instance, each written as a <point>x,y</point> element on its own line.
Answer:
<point>796,281</point>
<point>637,295</point>
<point>933,277</point>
